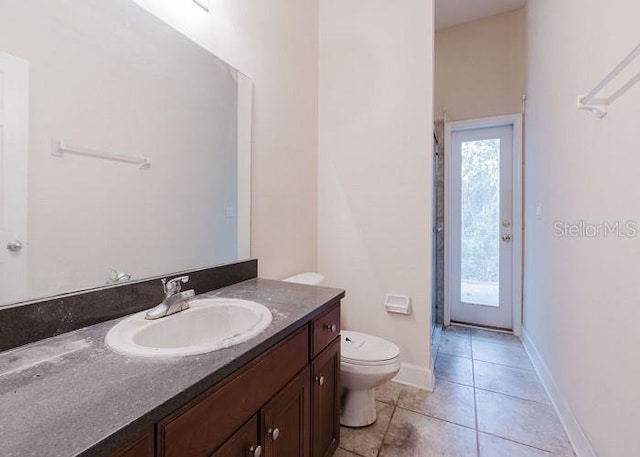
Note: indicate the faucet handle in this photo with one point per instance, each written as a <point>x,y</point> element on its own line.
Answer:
<point>173,286</point>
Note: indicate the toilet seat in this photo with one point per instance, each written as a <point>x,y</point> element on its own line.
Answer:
<point>367,350</point>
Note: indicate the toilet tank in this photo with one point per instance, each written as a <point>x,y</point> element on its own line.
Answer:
<point>308,278</point>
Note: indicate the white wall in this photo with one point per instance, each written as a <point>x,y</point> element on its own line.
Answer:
<point>375,143</point>
<point>581,294</point>
<point>275,43</point>
<point>480,67</point>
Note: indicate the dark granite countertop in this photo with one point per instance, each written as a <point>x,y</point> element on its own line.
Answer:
<point>91,400</point>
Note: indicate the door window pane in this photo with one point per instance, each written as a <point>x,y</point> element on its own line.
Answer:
<point>480,253</point>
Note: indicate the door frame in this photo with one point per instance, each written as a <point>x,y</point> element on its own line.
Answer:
<point>14,166</point>
<point>515,121</point>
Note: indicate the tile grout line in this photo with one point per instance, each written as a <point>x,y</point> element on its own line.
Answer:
<point>456,383</point>
<point>520,443</point>
<point>386,430</point>
<point>529,370</point>
<point>440,419</point>
<point>475,399</point>
<point>504,365</point>
<point>515,397</point>
<point>350,452</point>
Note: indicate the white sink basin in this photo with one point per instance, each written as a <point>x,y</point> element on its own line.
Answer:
<point>208,325</point>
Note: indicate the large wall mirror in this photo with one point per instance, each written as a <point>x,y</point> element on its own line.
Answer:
<point>124,149</point>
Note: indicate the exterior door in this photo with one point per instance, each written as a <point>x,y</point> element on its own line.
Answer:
<point>480,282</point>
<point>14,131</point>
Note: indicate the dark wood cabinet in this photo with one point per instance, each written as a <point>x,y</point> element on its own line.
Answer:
<point>283,403</point>
<point>325,401</point>
<point>205,424</point>
<point>324,329</point>
<point>139,447</point>
<point>285,420</point>
<point>244,443</point>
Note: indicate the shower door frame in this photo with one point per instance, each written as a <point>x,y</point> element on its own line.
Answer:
<point>514,121</point>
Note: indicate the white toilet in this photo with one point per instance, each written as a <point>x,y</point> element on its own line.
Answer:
<point>367,361</point>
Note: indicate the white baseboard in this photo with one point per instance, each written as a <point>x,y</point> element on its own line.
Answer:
<point>579,440</point>
<point>415,376</point>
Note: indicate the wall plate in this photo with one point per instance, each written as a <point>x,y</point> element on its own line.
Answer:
<point>398,304</point>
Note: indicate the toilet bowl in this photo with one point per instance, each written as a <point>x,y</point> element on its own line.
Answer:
<point>367,362</point>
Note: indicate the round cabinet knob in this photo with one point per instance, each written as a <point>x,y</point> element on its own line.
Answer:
<point>320,380</point>
<point>331,327</point>
<point>15,246</point>
<point>274,433</point>
<point>255,451</point>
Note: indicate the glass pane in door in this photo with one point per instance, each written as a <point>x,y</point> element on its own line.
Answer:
<point>480,230</point>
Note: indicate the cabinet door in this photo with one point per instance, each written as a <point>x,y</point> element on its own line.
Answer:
<point>325,401</point>
<point>285,420</point>
<point>243,443</point>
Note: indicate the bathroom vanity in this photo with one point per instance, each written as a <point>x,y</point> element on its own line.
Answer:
<point>274,395</point>
<point>282,403</point>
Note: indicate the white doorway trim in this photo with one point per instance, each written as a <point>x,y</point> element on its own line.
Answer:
<point>14,139</point>
<point>514,120</point>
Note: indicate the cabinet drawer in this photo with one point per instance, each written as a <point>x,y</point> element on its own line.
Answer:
<point>324,329</point>
<point>202,426</point>
<point>139,447</point>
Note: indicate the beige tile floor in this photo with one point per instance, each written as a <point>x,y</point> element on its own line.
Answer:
<point>488,402</point>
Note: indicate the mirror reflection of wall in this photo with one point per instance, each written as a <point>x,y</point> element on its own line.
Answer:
<point>109,77</point>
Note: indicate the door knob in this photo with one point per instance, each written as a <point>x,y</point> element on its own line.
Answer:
<point>15,246</point>
<point>255,451</point>
<point>506,237</point>
<point>274,433</point>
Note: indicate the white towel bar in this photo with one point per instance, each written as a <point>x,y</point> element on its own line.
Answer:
<point>598,107</point>
<point>65,148</point>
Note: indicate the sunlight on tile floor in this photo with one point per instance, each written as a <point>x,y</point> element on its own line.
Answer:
<point>488,402</point>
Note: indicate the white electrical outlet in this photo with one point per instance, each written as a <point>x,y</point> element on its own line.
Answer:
<point>398,304</point>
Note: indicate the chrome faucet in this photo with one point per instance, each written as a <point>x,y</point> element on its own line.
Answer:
<point>174,300</point>
<point>118,276</point>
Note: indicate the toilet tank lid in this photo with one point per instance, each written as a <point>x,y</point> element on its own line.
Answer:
<point>362,347</point>
<point>309,278</point>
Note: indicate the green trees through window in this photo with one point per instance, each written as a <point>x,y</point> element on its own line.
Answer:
<point>480,259</point>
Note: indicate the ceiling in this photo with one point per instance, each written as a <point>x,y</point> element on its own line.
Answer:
<point>454,12</point>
